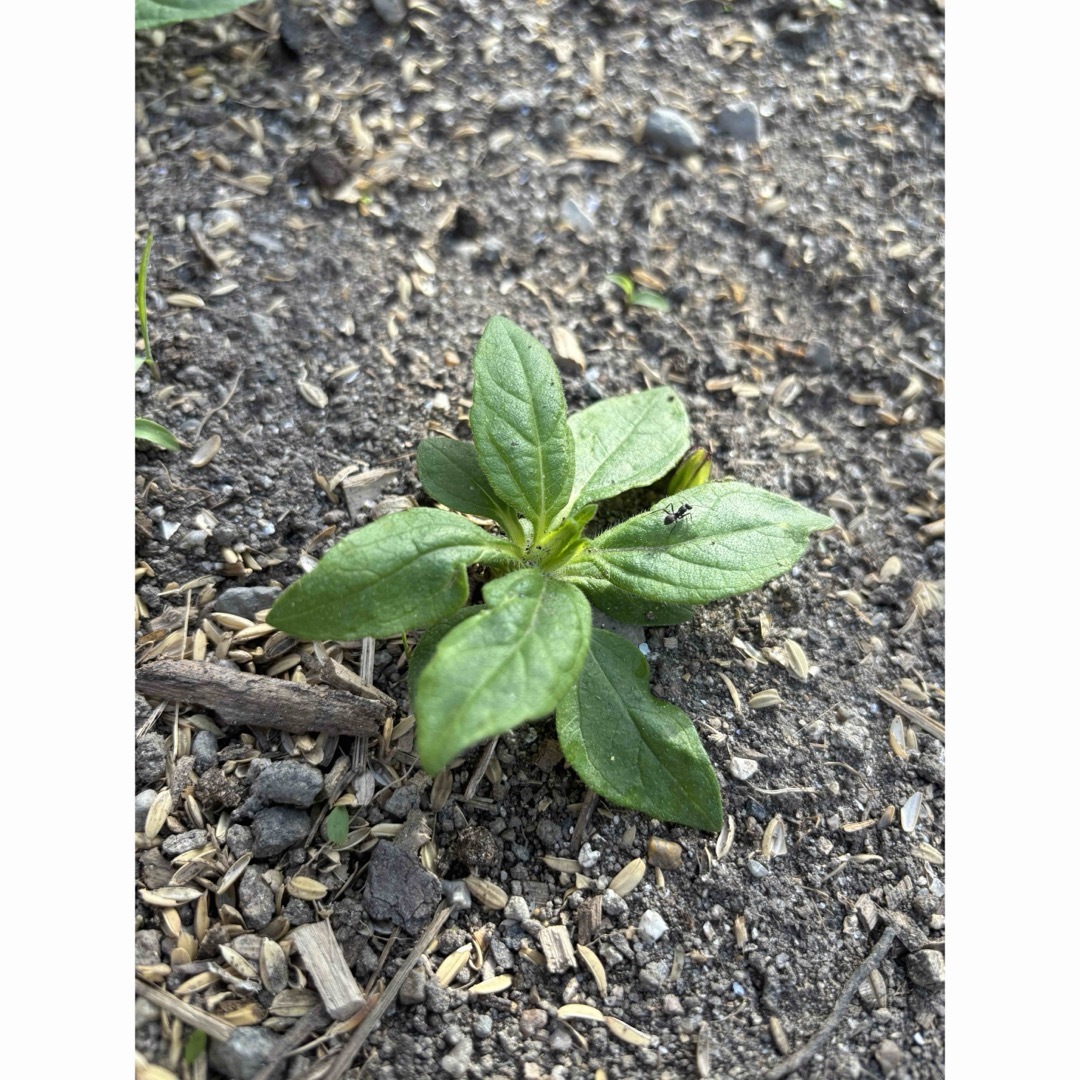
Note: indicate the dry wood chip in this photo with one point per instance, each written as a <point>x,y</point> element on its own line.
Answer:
<point>322,956</point>
<point>558,950</point>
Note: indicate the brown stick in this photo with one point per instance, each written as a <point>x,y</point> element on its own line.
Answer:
<point>189,1014</point>
<point>858,977</point>
<point>259,701</point>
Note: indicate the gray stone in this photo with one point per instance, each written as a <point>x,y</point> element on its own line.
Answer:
<point>256,898</point>
<point>172,846</point>
<point>517,909</point>
<point>204,750</point>
<point>926,968</point>
<point>571,215</point>
<point>392,12</point>
<point>149,759</point>
<point>398,888</point>
<point>482,1026</point>
<point>239,839</point>
<point>246,600</point>
<point>819,354</point>
<point>511,100</point>
<point>248,1049</point>
<point>532,1022</point>
<point>288,783</point>
<point>147,947</point>
<point>143,801</point>
<point>613,905</point>
<point>412,989</point>
<point>404,799</point>
<point>741,121</point>
<point>654,975</point>
<point>456,1063</point>
<point>651,927</point>
<point>436,997</point>
<point>457,894</point>
<point>672,133</point>
<point>276,829</point>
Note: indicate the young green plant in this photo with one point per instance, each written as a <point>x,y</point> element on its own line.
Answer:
<point>530,648</point>
<point>148,429</point>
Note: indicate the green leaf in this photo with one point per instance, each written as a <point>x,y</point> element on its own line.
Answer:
<point>621,605</point>
<point>512,662</point>
<point>632,748</point>
<point>627,442</point>
<point>155,433</point>
<point>735,538</point>
<point>151,13</point>
<point>518,420</point>
<point>194,1046</point>
<point>450,472</point>
<point>402,571</point>
<point>646,298</point>
<point>429,640</point>
<point>337,826</point>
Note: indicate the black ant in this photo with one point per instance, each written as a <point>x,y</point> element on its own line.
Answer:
<point>672,516</point>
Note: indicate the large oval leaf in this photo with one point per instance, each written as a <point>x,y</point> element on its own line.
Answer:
<point>400,572</point>
<point>632,748</point>
<point>510,663</point>
<point>518,420</point>
<point>733,539</point>
<point>627,442</point>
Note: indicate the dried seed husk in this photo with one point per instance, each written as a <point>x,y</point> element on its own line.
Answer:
<point>888,816</point>
<point>487,893</point>
<point>169,896</point>
<point>563,866</point>
<point>305,888</point>
<point>596,968</point>
<point>739,928</point>
<point>727,835</point>
<point>665,854</point>
<point>930,854</point>
<point>628,878</point>
<point>578,1011</point>
<point>273,966</point>
<point>196,983</point>
<point>293,1002</point>
<point>441,787</point>
<point>250,1013</point>
<point>170,919</point>
<point>450,967</point>
<point>159,810</point>
<point>533,954</point>
<point>774,839</point>
<point>313,394</point>
<point>238,963</point>
<point>492,986</point>
<point>232,622</point>
<point>233,874</point>
<point>857,826</point>
<point>185,300</point>
<point>909,812</point>
<point>765,699</point>
<point>897,738</point>
<point>779,1036</point>
<point>206,452</point>
<point>796,659</point>
<point>626,1033</point>
<point>878,988</point>
<point>201,922</point>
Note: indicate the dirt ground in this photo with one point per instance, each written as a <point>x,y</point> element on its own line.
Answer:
<point>339,201</point>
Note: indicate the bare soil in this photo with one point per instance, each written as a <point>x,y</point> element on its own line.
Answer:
<point>338,205</point>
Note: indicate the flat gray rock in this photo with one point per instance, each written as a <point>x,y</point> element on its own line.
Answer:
<point>672,133</point>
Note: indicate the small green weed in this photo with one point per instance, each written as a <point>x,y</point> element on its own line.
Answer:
<point>530,648</point>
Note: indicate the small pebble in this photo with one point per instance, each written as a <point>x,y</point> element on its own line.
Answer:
<point>517,909</point>
<point>412,989</point>
<point>204,750</point>
<point>149,759</point>
<point>926,968</point>
<point>392,12</point>
<point>256,898</point>
<point>740,121</point>
<point>185,841</point>
<point>245,1053</point>
<point>245,601</point>
<point>651,927</point>
<point>276,829</point>
<point>288,783</point>
<point>671,133</point>
<point>532,1022</point>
